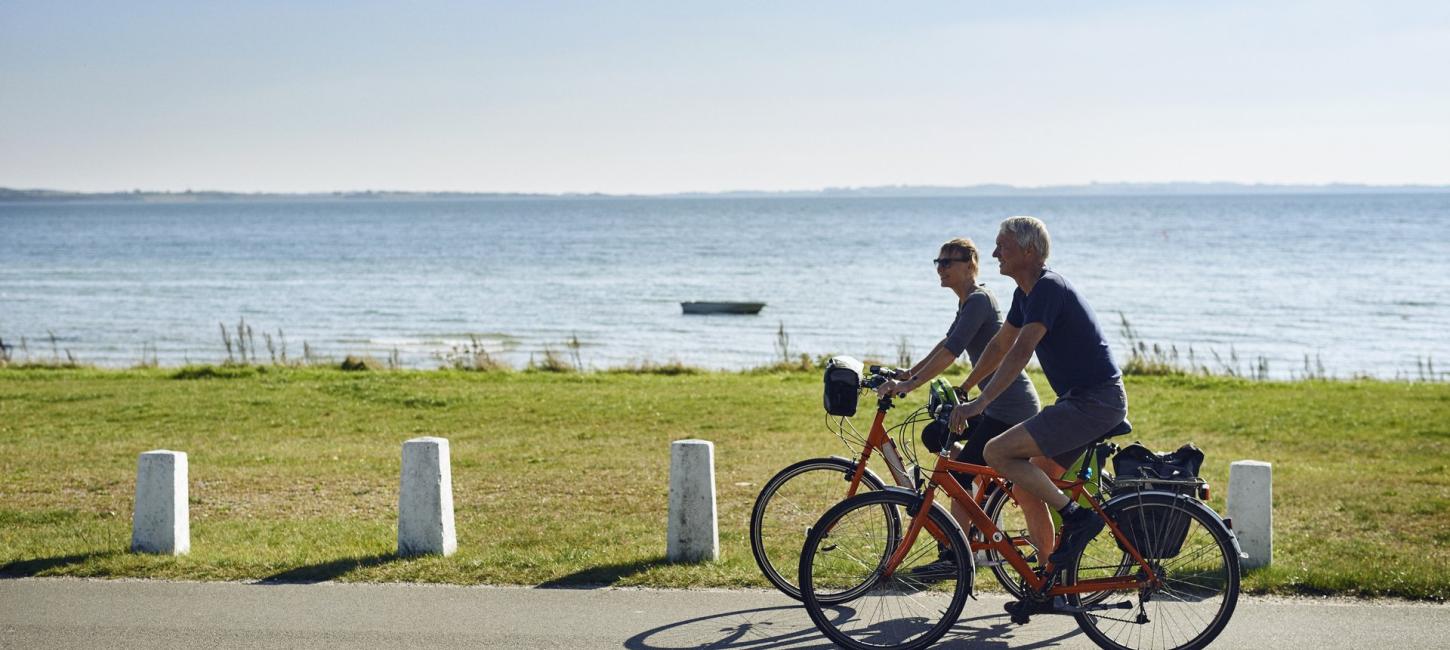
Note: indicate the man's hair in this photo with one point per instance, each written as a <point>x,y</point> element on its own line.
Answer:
<point>963,247</point>
<point>1029,232</point>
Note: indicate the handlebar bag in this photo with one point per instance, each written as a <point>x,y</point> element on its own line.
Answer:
<point>843,385</point>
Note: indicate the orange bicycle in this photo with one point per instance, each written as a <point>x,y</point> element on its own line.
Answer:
<point>1165,574</point>
<point>796,496</point>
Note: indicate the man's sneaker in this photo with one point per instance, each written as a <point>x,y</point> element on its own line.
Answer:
<point>1078,528</point>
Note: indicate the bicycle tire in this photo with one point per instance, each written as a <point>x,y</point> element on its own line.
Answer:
<point>910,609</point>
<point>1200,576</point>
<point>772,521</point>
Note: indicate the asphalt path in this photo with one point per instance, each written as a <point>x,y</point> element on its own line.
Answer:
<point>73,613</point>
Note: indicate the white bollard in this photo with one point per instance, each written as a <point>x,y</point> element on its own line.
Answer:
<point>1250,506</point>
<point>425,499</point>
<point>694,534</point>
<point>161,522</point>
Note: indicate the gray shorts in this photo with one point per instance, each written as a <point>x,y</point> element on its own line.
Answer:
<point>1080,416</point>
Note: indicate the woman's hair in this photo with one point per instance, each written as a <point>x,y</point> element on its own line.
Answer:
<point>1029,232</point>
<point>963,247</point>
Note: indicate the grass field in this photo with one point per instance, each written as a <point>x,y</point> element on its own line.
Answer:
<point>561,478</point>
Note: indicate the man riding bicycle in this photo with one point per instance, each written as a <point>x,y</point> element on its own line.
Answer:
<point>1048,317</point>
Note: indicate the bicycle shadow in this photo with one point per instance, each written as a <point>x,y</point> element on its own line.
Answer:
<point>765,627</point>
<point>789,627</point>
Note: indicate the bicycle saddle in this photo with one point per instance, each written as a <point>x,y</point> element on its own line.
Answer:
<point>1123,428</point>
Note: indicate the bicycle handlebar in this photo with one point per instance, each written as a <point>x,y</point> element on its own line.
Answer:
<point>888,372</point>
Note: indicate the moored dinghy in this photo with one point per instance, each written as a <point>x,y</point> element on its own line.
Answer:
<point>722,307</point>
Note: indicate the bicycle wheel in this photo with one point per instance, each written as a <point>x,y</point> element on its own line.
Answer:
<point>1189,550</point>
<point>1003,511</point>
<point>789,503</point>
<point>846,553</point>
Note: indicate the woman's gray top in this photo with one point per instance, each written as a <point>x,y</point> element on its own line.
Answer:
<point>978,319</point>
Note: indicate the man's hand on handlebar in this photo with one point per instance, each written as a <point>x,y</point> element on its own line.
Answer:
<point>962,413</point>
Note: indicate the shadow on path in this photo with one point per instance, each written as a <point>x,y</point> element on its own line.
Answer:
<point>789,627</point>
<point>602,576</point>
<point>765,627</point>
<point>38,566</point>
<point>326,571</point>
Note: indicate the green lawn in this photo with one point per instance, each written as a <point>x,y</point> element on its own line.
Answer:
<point>562,478</point>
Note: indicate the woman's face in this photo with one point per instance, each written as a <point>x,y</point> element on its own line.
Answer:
<point>955,273</point>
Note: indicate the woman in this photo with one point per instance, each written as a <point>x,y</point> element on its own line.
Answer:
<point>977,321</point>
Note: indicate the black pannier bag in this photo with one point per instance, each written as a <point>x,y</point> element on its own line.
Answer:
<point>1155,533</point>
<point>843,385</point>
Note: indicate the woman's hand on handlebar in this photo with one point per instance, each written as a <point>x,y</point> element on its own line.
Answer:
<point>891,388</point>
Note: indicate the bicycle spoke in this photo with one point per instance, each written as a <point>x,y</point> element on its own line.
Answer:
<point>1197,584</point>
<point>913,604</point>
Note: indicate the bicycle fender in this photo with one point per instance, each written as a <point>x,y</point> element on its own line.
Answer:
<point>1185,500</point>
<point>915,505</point>
<point>847,462</point>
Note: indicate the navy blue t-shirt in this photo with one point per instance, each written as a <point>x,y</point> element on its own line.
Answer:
<point>1073,353</point>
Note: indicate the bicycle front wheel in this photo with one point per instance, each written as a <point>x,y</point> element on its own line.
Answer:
<point>1190,552</point>
<point>907,607</point>
<point>789,503</point>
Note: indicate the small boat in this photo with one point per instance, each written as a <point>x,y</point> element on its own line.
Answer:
<point>722,307</point>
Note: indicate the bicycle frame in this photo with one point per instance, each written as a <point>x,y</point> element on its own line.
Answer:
<point>877,438</point>
<point>942,478</point>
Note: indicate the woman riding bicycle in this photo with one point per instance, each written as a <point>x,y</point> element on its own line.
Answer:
<point>977,321</point>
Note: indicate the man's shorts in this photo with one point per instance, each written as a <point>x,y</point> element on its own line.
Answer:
<point>1080,416</point>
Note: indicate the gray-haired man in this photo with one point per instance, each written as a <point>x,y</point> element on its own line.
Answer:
<point>1048,317</point>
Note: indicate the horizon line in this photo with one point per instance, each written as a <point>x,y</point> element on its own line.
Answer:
<point>1173,187</point>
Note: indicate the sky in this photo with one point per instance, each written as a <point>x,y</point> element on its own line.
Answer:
<point>655,97</point>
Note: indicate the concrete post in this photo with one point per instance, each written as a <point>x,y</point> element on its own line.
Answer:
<point>694,534</point>
<point>1250,505</point>
<point>161,522</point>
<point>425,499</point>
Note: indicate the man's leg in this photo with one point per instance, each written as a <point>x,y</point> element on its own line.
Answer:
<point>1011,453</point>
<point>1039,521</point>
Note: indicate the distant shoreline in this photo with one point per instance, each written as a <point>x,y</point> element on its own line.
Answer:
<point>9,195</point>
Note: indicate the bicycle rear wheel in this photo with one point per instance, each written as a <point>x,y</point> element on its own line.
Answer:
<point>789,503</point>
<point>1191,552</point>
<point>845,557</point>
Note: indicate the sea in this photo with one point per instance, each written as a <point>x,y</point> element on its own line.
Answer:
<point>1277,286</point>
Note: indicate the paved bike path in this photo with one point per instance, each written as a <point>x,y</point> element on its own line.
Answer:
<point>71,613</point>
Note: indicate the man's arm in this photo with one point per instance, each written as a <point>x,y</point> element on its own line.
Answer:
<point>1012,362</point>
<point>992,356</point>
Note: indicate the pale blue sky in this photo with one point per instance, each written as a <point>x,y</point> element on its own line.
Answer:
<point>676,96</point>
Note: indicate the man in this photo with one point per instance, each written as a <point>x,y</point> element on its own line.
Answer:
<point>1048,317</point>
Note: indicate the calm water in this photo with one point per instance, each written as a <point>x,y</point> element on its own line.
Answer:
<point>1360,283</point>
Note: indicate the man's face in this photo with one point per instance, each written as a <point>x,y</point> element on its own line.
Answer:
<point>1010,256</point>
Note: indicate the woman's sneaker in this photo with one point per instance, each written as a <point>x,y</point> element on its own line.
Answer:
<point>945,566</point>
